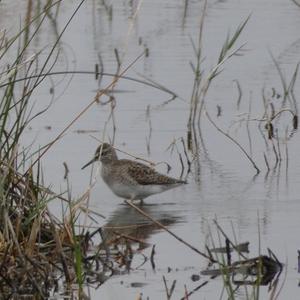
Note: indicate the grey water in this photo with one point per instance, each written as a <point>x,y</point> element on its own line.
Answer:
<point>262,209</point>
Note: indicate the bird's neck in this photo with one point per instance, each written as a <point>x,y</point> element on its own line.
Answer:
<point>109,159</point>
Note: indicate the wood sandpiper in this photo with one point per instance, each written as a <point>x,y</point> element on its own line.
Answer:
<point>130,179</point>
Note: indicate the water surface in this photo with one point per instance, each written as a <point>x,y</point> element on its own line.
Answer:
<point>264,207</point>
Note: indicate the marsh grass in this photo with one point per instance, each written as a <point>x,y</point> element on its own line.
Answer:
<point>201,85</point>
<point>240,272</point>
<point>27,229</point>
<point>203,81</point>
<point>278,107</point>
<point>39,253</point>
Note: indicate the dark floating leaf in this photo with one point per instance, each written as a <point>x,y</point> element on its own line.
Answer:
<point>189,140</point>
<point>219,111</point>
<point>269,127</point>
<point>298,261</point>
<point>195,277</point>
<point>137,284</point>
<point>295,122</point>
<point>96,71</point>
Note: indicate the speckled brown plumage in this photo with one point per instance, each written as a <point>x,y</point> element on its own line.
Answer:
<point>131,179</point>
<point>146,175</point>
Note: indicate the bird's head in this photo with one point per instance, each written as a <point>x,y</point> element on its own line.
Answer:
<point>105,153</point>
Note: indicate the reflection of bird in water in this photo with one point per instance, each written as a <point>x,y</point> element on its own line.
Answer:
<point>130,224</point>
<point>130,179</point>
<point>125,234</point>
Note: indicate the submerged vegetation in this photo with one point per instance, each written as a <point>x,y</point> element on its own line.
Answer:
<point>42,254</point>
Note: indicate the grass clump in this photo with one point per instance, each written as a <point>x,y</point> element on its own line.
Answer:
<point>38,252</point>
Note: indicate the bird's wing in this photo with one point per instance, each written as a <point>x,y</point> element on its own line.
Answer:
<point>145,175</point>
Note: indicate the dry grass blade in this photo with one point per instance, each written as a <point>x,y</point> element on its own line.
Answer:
<point>296,2</point>
<point>195,289</point>
<point>234,141</point>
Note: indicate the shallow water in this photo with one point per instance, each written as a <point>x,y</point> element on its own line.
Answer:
<point>264,207</point>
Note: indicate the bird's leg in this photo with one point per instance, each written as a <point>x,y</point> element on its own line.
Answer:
<point>141,202</point>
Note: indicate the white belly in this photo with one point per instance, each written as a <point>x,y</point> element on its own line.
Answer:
<point>129,189</point>
<point>137,192</point>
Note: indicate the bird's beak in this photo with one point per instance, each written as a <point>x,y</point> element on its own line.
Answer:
<point>89,163</point>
